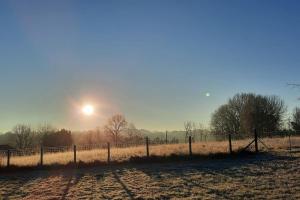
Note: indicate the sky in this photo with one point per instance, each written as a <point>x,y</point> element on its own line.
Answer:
<point>153,61</point>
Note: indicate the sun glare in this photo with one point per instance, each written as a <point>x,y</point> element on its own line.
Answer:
<point>88,110</point>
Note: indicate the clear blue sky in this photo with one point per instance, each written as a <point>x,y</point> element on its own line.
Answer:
<point>153,61</point>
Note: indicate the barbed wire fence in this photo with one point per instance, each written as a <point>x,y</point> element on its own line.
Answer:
<point>107,152</point>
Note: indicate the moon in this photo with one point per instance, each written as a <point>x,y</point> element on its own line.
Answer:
<point>88,110</point>
<point>207,94</point>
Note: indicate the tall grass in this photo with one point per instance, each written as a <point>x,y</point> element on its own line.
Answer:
<point>124,154</point>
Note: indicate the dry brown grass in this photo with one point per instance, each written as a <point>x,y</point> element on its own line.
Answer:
<point>258,177</point>
<point>2,160</point>
<point>265,176</point>
<point>124,154</point>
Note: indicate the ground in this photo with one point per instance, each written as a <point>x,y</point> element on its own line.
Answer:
<point>263,176</point>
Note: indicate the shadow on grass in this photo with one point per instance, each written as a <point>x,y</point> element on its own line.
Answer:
<point>124,186</point>
<point>220,167</point>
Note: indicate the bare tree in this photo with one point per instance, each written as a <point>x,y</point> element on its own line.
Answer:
<point>188,126</point>
<point>115,125</point>
<point>201,131</point>
<point>98,137</point>
<point>43,130</point>
<point>133,134</point>
<point>131,130</point>
<point>195,131</point>
<point>24,136</point>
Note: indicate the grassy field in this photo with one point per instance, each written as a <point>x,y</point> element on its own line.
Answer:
<point>124,154</point>
<point>272,175</point>
<point>262,176</point>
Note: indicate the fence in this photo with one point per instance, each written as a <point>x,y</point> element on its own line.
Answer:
<point>107,152</point>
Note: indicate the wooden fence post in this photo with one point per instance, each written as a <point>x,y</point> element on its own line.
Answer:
<point>147,146</point>
<point>290,142</point>
<point>190,145</point>
<point>75,156</point>
<point>166,137</point>
<point>8,158</point>
<point>230,145</point>
<point>255,141</point>
<point>42,156</point>
<point>108,152</point>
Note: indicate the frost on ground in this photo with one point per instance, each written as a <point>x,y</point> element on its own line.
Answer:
<point>257,177</point>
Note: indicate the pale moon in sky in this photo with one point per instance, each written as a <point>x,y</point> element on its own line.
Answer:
<point>88,109</point>
<point>207,94</point>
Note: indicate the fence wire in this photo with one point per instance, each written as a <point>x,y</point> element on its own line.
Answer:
<point>202,144</point>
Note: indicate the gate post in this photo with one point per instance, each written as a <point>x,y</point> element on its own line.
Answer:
<point>42,156</point>
<point>166,137</point>
<point>8,158</point>
<point>255,140</point>
<point>230,145</point>
<point>147,146</point>
<point>75,157</point>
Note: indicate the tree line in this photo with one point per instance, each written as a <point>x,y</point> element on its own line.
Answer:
<point>240,115</point>
<point>117,130</point>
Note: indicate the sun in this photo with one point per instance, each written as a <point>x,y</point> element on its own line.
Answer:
<point>88,109</point>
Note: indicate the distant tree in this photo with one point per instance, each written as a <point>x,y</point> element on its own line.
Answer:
<point>98,136</point>
<point>131,130</point>
<point>157,140</point>
<point>188,126</point>
<point>90,137</point>
<point>133,134</point>
<point>200,130</point>
<point>195,131</point>
<point>59,138</point>
<point>24,136</point>
<point>115,126</point>
<point>244,112</point>
<point>93,136</point>
<point>296,119</point>
<point>42,130</point>
<point>174,141</point>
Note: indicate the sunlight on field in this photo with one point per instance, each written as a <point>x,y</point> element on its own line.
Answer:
<point>281,143</point>
<point>2,160</point>
<point>25,160</point>
<point>124,154</point>
<point>92,155</point>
